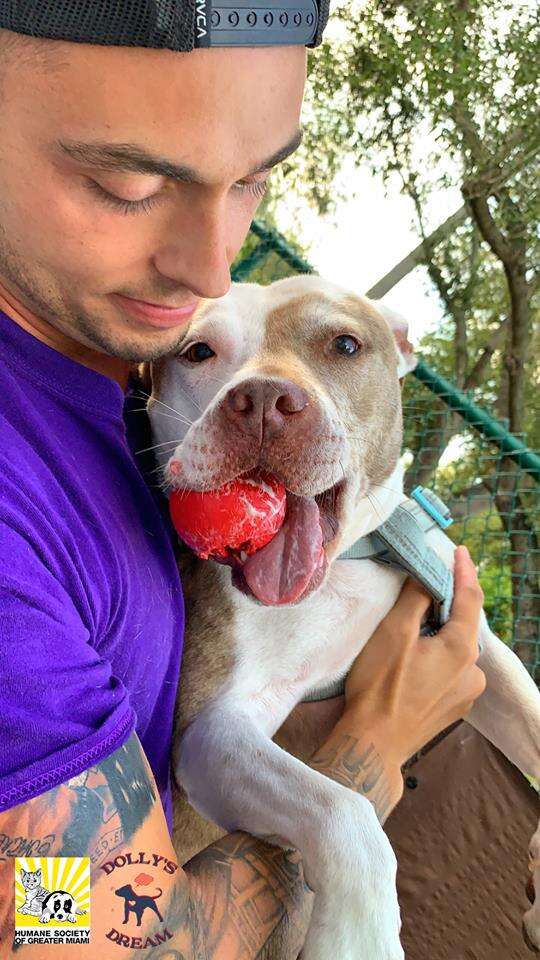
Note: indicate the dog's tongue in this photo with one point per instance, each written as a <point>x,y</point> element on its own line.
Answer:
<point>282,570</point>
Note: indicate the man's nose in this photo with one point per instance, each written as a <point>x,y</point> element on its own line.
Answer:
<point>266,407</point>
<point>197,255</point>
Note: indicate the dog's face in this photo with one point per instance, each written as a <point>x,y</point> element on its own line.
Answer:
<point>301,379</point>
<point>125,891</point>
<point>60,905</point>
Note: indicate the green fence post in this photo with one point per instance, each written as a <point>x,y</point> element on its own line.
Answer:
<point>479,419</point>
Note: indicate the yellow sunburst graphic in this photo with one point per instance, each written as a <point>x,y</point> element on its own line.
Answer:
<point>68,874</point>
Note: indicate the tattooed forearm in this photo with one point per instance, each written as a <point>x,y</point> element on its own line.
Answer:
<point>252,899</point>
<point>360,768</point>
<point>244,900</point>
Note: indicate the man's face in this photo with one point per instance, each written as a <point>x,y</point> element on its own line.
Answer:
<point>66,248</point>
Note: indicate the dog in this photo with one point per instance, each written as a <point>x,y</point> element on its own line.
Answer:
<point>59,905</point>
<point>301,379</point>
<point>137,903</point>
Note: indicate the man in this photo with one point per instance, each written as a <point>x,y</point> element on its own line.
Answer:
<point>129,175</point>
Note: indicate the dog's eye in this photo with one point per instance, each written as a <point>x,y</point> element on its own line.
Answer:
<point>198,353</point>
<point>346,345</point>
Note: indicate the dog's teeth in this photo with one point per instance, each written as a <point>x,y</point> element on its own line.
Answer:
<point>243,556</point>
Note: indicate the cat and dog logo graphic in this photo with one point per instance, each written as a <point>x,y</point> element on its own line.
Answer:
<point>52,900</point>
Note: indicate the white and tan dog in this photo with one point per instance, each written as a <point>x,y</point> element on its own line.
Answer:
<point>301,378</point>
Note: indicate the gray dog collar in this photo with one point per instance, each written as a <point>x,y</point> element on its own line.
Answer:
<point>400,542</point>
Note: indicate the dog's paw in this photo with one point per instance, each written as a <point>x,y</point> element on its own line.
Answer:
<point>355,925</point>
<point>45,917</point>
<point>355,911</point>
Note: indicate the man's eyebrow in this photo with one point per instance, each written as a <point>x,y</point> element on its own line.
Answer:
<point>133,158</point>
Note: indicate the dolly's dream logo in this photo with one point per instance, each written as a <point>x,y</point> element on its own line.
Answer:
<point>52,900</point>
<point>141,897</point>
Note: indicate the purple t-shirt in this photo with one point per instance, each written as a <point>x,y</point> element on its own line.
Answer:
<point>91,610</point>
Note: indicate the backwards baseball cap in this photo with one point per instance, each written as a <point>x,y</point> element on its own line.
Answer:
<point>180,25</point>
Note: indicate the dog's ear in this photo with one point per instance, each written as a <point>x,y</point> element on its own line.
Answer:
<point>400,328</point>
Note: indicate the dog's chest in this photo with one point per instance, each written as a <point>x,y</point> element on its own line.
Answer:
<point>282,653</point>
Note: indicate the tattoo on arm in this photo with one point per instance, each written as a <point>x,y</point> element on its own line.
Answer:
<point>240,898</point>
<point>21,846</point>
<point>360,768</point>
<point>252,899</point>
<point>92,814</point>
<point>244,901</point>
<point>117,793</point>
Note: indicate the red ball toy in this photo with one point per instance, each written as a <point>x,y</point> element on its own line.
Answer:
<point>240,517</point>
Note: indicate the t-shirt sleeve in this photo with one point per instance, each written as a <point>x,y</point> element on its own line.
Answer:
<point>62,709</point>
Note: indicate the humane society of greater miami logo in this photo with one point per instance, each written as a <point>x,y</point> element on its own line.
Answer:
<point>52,900</point>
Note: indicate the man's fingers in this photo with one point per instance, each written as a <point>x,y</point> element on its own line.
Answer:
<point>411,606</point>
<point>468,598</point>
<point>468,595</point>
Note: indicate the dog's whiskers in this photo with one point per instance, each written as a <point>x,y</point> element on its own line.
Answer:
<point>173,410</point>
<point>373,502</point>
<point>398,493</point>
<point>187,396</point>
<point>158,469</point>
<point>167,406</point>
<point>156,445</point>
<point>215,379</point>
<point>171,416</point>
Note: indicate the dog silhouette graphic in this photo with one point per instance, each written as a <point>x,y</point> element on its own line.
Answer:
<point>137,903</point>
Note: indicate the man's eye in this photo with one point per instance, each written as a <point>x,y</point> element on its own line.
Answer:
<point>118,203</point>
<point>198,353</point>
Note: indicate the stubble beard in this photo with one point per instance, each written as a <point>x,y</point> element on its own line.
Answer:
<point>81,326</point>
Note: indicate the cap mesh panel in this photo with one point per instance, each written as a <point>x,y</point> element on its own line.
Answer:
<point>161,24</point>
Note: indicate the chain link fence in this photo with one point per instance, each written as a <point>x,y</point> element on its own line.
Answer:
<point>488,477</point>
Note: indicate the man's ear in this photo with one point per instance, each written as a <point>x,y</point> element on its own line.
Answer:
<point>400,328</point>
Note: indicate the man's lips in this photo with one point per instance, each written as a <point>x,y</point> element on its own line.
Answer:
<point>154,314</point>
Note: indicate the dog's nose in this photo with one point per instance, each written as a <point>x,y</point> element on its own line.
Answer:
<point>266,406</point>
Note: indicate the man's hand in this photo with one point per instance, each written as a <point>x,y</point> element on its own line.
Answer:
<point>404,689</point>
<point>410,687</point>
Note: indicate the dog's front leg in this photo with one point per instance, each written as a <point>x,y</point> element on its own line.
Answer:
<point>508,714</point>
<point>235,775</point>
